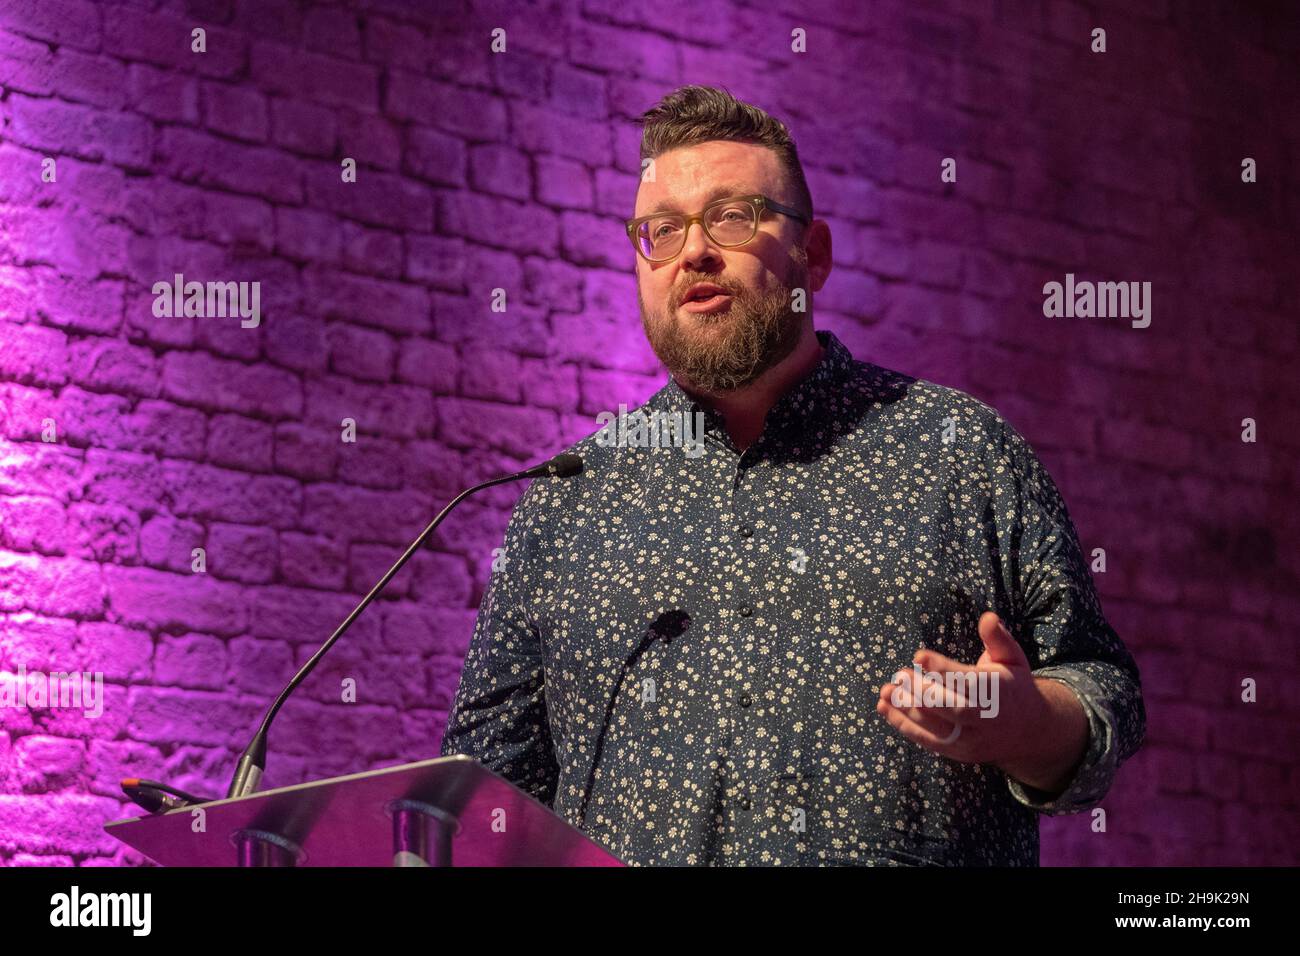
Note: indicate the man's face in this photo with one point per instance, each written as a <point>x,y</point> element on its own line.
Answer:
<point>753,328</point>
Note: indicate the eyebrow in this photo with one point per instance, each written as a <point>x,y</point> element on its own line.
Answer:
<point>718,192</point>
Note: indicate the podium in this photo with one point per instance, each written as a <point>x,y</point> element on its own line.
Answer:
<point>448,811</point>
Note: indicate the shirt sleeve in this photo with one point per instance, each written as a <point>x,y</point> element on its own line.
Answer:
<point>1056,616</point>
<point>499,715</point>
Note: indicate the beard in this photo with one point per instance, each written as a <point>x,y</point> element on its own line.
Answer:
<point>724,351</point>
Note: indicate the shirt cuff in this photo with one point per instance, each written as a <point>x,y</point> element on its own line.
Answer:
<point>1096,770</point>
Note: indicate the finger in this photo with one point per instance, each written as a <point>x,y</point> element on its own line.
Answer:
<point>939,722</point>
<point>928,732</point>
<point>934,661</point>
<point>945,731</point>
<point>952,703</point>
<point>1001,646</point>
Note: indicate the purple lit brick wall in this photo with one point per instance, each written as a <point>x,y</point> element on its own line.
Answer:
<point>481,171</point>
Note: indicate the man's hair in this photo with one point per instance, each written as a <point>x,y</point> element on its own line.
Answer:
<point>697,114</point>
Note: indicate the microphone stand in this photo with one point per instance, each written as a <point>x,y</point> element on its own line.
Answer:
<point>252,762</point>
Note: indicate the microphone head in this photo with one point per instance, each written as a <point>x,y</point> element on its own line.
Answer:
<point>564,466</point>
<point>561,466</point>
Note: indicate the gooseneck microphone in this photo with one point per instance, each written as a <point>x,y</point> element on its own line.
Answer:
<point>253,760</point>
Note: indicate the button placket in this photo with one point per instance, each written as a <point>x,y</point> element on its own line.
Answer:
<point>743,548</point>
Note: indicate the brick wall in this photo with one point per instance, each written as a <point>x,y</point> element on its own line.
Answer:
<point>479,171</point>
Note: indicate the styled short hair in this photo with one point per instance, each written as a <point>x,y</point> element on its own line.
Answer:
<point>697,114</point>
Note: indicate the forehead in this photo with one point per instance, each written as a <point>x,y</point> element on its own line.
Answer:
<point>688,178</point>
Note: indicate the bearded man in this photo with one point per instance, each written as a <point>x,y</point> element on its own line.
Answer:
<point>856,629</point>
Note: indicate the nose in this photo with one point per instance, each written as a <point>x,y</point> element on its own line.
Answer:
<point>699,254</point>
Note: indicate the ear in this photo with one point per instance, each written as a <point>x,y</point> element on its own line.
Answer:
<point>818,246</point>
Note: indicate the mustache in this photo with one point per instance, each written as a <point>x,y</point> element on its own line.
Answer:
<point>679,294</point>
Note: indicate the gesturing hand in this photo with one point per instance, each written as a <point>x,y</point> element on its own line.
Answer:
<point>1036,730</point>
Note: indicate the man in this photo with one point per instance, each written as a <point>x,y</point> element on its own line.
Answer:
<point>695,656</point>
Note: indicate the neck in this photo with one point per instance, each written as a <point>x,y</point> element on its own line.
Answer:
<point>745,409</point>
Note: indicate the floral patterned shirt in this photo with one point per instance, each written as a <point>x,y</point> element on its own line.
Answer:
<point>683,650</point>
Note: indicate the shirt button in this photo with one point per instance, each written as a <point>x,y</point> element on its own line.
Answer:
<point>746,610</point>
<point>745,531</point>
<point>745,700</point>
<point>745,804</point>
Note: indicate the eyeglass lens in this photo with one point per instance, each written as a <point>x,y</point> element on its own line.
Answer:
<point>728,224</point>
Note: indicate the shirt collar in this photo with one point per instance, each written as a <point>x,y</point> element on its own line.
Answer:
<point>811,398</point>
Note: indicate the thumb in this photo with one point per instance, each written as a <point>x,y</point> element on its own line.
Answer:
<point>1001,646</point>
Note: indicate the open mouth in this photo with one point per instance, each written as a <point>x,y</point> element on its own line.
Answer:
<point>707,300</point>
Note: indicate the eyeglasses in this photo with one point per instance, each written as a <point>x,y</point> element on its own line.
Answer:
<point>727,222</point>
